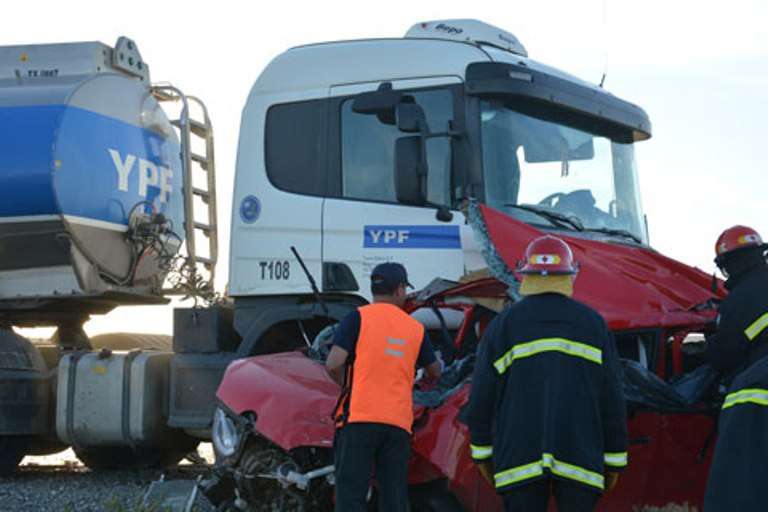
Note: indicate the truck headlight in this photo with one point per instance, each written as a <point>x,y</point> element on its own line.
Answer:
<point>225,435</point>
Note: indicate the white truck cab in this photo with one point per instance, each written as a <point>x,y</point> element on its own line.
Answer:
<point>360,152</point>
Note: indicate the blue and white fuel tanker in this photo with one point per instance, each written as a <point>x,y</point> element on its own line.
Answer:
<point>84,145</point>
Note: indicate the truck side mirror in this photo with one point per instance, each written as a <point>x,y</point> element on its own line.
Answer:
<point>410,170</point>
<point>411,118</point>
<point>382,103</point>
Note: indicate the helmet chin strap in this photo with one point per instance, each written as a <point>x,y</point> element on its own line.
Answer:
<point>721,267</point>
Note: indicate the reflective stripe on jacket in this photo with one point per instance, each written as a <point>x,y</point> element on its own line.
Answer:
<point>742,331</point>
<point>384,367</point>
<point>738,471</point>
<point>546,399</point>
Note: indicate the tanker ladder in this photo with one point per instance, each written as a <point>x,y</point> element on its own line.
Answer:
<point>194,283</point>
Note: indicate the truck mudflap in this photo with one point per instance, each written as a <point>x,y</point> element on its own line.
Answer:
<point>193,382</point>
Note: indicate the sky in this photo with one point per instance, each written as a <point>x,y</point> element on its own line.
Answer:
<point>699,68</point>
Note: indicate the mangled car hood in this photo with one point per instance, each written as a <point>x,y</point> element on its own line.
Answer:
<point>296,410</point>
<point>631,286</point>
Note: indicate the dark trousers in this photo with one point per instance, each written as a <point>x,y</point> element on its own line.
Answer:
<point>362,449</point>
<point>534,497</point>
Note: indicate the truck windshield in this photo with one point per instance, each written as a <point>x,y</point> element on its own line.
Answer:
<point>530,164</point>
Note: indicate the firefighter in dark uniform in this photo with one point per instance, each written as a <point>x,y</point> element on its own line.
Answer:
<point>546,414</point>
<point>740,339</point>
<point>374,357</point>
<point>739,472</point>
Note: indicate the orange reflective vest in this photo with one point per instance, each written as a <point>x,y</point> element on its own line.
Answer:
<point>383,368</point>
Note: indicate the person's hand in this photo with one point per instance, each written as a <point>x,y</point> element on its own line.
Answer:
<point>486,469</point>
<point>611,479</point>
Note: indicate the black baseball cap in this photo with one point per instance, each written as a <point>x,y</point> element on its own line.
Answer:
<point>389,276</point>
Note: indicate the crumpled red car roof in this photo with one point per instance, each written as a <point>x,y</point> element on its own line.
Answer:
<point>631,286</point>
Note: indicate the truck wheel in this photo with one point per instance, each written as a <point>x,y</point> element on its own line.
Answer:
<point>26,402</point>
<point>143,457</point>
<point>12,450</point>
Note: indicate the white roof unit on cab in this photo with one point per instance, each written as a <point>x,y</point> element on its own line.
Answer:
<point>473,31</point>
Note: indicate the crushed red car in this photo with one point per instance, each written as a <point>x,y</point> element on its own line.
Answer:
<point>273,432</point>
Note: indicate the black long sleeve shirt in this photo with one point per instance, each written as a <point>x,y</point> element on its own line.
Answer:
<point>742,331</point>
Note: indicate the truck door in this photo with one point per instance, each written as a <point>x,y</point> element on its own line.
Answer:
<point>363,223</point>
<point>278,196</point>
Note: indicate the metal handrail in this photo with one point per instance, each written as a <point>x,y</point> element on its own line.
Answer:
<point>167,92</point>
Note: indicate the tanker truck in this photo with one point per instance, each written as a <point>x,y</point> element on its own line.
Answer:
<point>97,197</point>
<point>354,153</point>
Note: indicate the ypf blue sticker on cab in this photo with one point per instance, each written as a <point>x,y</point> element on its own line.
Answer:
<point>411,237</point>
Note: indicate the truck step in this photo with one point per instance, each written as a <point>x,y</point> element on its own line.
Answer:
<point>204,194</point>
<point>208,262</point>
<point>203,161</point>
<point>205,228</point>
<point>196,127</point>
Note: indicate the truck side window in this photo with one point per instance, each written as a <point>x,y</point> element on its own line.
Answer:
<point>368,151</point>
<point>293,148</point>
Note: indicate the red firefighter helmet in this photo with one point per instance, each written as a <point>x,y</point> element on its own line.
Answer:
<point>548,255</point>
<point>735,238</point>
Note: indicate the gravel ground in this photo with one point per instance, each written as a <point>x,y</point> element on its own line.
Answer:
<point>61,483</point>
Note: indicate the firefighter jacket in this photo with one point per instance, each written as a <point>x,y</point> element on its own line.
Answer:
<point>742,331</point>
<point>546,398</point>
<point>739,471</point>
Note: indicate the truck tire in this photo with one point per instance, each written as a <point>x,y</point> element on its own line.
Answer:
<point>143,457</point>
<point>12,450</point>
<point>132,340</point>
<point>26,402</point>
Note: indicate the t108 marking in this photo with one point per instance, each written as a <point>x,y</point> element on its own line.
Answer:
<point>275,270</point>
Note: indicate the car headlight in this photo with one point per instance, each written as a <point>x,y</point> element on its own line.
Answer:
<point>225,435</point>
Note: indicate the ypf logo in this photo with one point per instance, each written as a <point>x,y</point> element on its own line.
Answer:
<point>411,237</point>
<point>149,174</point>
<point>389,236</point>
